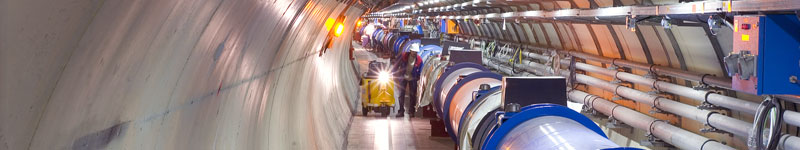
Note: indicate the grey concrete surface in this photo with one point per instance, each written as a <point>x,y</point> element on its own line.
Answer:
<point>386,133</point>
<point>37,38</point>
<point>173,74</point>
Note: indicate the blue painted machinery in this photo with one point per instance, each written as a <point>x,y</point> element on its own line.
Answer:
<point>766,54</point>
<point>469,99</point>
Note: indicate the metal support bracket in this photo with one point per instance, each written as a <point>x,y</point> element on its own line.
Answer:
<point>701,86</point>
<point>612,67</point>
<point>586,109</point>
<point>616,95</point>
<point>651,74</point>
<point>616,98</point>
<point>655,110</point>
<point>588,102</point>
<point>652,140</point>
<point>708,106</point>
<point>613,122</point>
<point>615,81</point>
<point>705,105</point>
<point>709,128</point>
<point>655,92</point>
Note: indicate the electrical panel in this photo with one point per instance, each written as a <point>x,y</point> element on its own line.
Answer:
<point>766,54</point>
<point>534,90</point>
<point>465,55</point>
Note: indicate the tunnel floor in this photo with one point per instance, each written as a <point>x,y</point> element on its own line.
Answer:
<point>384,133</point>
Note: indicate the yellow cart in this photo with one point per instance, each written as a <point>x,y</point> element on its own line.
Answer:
<point>378,88</point>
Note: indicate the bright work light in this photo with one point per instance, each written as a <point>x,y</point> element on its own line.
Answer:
<point>339,29</point>
<point>384,77</point>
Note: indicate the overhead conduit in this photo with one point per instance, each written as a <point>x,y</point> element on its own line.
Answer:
<point>661,129</point>
<point>713,98</point>
<point>713,119</point>
<point>716,99</point>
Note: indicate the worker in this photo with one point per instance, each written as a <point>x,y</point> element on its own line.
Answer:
<point>408,66</point>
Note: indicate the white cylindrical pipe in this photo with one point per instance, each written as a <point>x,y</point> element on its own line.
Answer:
<point>492,63</point>
<point>719,121</point>
<point>791,117</point>
<point>745,106</point>
<point>789,142</point>
<point>716,99</point>
<point>711,80</point>
<point>697,95</point>
<point>663,130</point>
<point>735,126</point>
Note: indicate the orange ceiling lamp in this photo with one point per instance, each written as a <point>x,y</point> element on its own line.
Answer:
<point>339,29</point>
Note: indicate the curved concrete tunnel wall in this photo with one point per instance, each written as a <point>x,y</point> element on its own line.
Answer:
<point>177,74</point>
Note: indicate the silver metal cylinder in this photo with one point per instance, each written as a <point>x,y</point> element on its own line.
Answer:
<point>553,132</point>
<point>480,108</point>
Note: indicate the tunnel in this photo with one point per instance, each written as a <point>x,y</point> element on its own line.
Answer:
<point>400,74</point>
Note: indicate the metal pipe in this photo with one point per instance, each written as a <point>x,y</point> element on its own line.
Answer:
<point>719,121</point>
<point>791,117</point>
<point>663,130</point>
<point>708,79</point>
<point>723,122</point>
<point>789,142</point>
<point>697,95</point>
<point>791,98</point>
<point>498,67</point>
<point>745,106</point>
<point>699,77</point>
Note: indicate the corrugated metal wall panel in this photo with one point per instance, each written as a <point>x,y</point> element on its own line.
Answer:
<point>657,51</point>
<point>529,33</point>
<point>697,50</point>
<point>630,44</point>
<point>552,35</point>
<point>540,34</point>
<point>581,3</point>
<point>607,44</point>
<point>673,58</point>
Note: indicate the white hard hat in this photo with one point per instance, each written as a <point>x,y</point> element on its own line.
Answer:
<point>414,47</point>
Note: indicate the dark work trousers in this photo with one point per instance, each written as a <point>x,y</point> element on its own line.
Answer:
<point>412,87</point>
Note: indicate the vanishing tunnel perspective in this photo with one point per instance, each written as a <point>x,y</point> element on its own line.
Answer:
<point>400,74</point>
